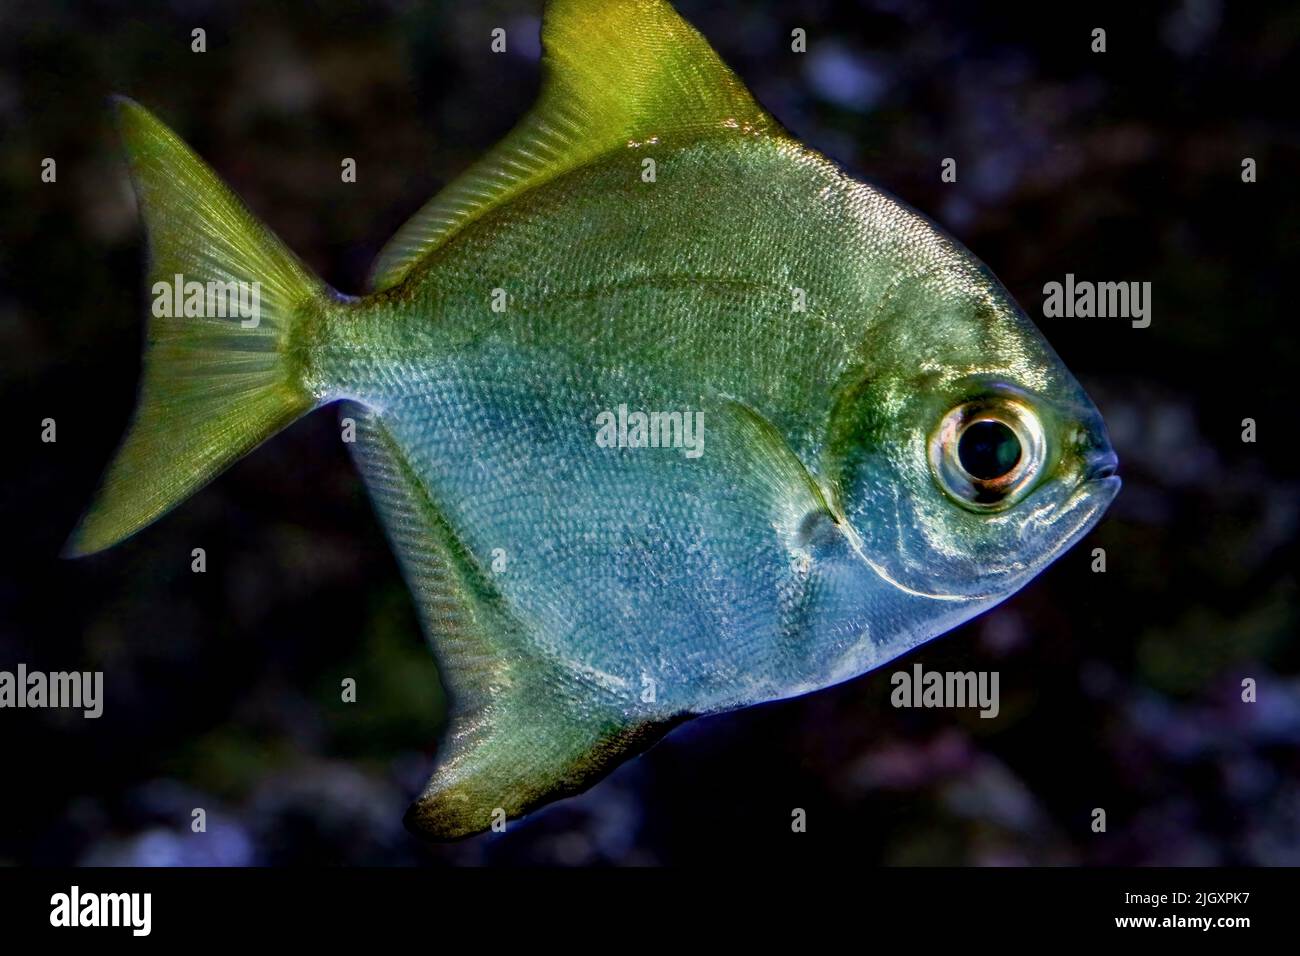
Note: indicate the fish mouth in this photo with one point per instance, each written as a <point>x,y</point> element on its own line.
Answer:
<point>1101,466</point>
<point>1101,490</point>
<point>1088,502</point>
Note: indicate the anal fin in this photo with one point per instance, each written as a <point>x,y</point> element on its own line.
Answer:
<point>522,730</point>
<point>518,756</point>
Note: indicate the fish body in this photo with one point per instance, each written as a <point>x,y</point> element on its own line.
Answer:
<point>664,413</point>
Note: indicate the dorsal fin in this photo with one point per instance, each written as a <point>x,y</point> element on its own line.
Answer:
<point>614,73</point>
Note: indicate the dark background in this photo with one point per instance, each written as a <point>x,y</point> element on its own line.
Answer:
<point>1119,690</point>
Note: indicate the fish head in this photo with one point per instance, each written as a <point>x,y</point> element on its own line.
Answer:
<point>964,456</point>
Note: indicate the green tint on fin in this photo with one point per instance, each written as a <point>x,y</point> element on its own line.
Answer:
<point>765,461</point>
<point>615,73</point>
<point>521,731</point>
<point>213,387</point>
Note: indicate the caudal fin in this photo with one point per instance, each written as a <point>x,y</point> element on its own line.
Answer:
<point>222,375</point>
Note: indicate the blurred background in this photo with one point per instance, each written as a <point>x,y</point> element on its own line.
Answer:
<point>1119,690</point>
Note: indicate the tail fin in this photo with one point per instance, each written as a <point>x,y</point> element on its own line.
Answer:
<point>215,384</point>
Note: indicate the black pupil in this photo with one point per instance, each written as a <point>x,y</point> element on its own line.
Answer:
<point>988,450</point>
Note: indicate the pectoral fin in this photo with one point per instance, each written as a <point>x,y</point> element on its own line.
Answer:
<point>522,730</point>
<point>767,470</point>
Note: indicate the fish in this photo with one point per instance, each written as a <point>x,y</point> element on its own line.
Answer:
<point>664,413</point>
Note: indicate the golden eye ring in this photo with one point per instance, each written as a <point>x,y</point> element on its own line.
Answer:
<point>986,453</point>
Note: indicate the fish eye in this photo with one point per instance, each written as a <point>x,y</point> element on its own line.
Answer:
<point>986,453</point>
<point>987,449</point>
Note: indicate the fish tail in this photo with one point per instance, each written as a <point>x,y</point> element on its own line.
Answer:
<point>225,355</point>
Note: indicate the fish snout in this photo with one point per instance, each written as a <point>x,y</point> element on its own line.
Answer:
<point>1099,464</point>
<point>1093,451</point>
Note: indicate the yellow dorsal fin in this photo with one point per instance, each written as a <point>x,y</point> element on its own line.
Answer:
<point>614,73</point>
